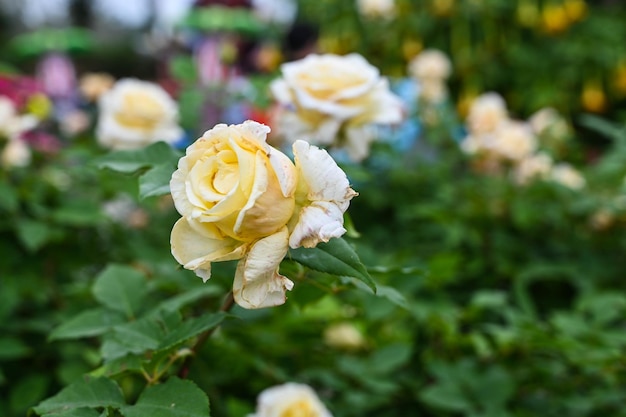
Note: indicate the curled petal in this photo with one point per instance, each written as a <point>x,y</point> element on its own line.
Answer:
<point>257,281</point>
<point>319,222</point>
<point>324,180</point>
<point>195,245</point>
<point>324,194</point>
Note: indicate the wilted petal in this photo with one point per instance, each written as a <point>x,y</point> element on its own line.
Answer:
<point>257,281</point>
<point>325,181</point>
<point>327,194</point>
<point>196,245</point>
<point>319,222</point>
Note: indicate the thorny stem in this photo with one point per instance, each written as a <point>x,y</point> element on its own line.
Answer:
<point>229,301</point>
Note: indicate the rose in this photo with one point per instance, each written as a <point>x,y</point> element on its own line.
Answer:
<point>330,98</point>
<point>537,165</point>
<point>430,65</point>
<point>566,175</point>
<point>242,199</point>
<point>376,8</point>
<point>136,113</point>
<point>485,113</point>
<point>344,336</point>
<point>290,399</point>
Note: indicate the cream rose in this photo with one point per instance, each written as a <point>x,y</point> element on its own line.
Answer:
<point>136,113</point>
<point>486,112</point>
<point>430,65</point>
<point>566,175</point>
<point>534,166</point>
<point>329,99</point>
<point>376,8</point>
<point>290,399</point>
<point>241,199</point>
<point>514,140</point>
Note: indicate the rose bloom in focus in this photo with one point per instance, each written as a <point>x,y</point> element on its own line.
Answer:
<point>334,101</point>
<point>134,114</point>
<point>290,400</point>
<point>241,199</point>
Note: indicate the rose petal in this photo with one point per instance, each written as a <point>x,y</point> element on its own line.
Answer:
<point>327,196</point>
<point>195,245</point>
<point>358,140</point>
<point>257,281</point>
<point>319,222</point>
<point>325,181</point>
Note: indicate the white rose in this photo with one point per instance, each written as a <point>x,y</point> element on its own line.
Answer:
<point>324,97</point>
<point>534,166</point>
<point>486,112</point>
<point>376,8</point>
<point>430,65</point>
<point>136,113</point>
<point>16,153</point>
<point>241,199</point>
<point>290,399</point>
<point>12,124</point>
<point>344,336</point>
<point>513,140</point>
<point>567,176</point>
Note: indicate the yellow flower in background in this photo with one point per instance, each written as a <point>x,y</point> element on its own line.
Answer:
<point>411,47</point>
<point>39,105</point>
<point>136,113</point>
<point>593,98</point>
<point>527,13</point>
<point>555,18</point>
<point>442,8</point>
<point>290,400</point>
<point>241,199</point>
<point>334,100</point>
<point>575,9</point>
<point>619,78</point>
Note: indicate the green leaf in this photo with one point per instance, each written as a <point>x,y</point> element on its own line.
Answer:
<point>120,288</point>
<point>183,68</point>
<point>156,181</point>
<point>393,295</point>
<point>140,336</point>
<point>9,200</point>
<point>602,126</point>
<point>334,257</point>
<point>446,397</point>
<point>130,161</point>
<point>87,324</point>
<point>179,301</point>
<point>134,337</point>
<point>13,348</point>
<point>86,392</point>
<point>28,391</point>
<point>76,412</point>
<point>174,398</point>
<point>33,234</point>
<point>191,328</point>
